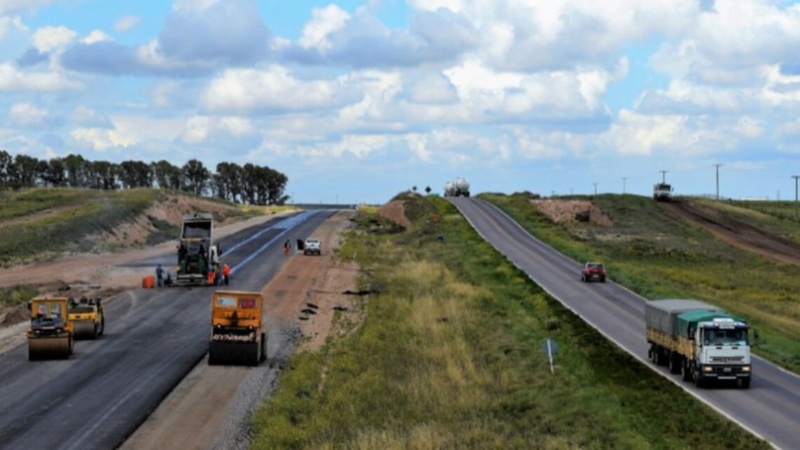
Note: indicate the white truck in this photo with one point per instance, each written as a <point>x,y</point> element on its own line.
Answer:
<point>312,246</point>
<point>662,192</point>
<point>698,340</point>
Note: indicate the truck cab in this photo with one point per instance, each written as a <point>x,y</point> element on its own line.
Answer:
<point>662,192</point>
<point>723,351</point>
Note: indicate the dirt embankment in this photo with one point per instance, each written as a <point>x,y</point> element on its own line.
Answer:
<point>738,233</point>
<point>730,230</point>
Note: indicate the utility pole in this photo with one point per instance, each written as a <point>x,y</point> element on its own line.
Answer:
<point>663,177</point>
<point>795,186</point>
<point>623,185</point>
<point>717,166</point>
<point>595,188</point>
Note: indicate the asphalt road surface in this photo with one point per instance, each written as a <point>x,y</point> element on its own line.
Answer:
<point>770,409</point>
<point>153,338</point>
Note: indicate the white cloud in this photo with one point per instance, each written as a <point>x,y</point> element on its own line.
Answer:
<point>676,135</point>
<point>193,5</point>
<point>48,39</point>
<point>126,23</point>
<point>26,114</point>
<point>125,132</point>
<point>325,21</point>
<point>273,88</point>
<point>11,6</point>
<point>7,23</point>
<point>96,36</point>
<point>12,79</point>
<point>199,129</point>
<point>749,127</point>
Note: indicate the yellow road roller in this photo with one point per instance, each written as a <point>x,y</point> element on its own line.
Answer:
<point>87,318</point>
<point>50,333</point>
<point>237,331</point>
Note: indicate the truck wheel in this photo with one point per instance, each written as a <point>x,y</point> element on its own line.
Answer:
<point>686,372</point>
<point>263,346</point>
<point>744,383</point>
<point>672,363</point>
<point>698,380</point>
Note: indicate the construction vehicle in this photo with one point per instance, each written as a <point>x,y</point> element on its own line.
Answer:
<point>698,340</point>
<point>87,317</point>
<point>662,192</point>
<point>237,329</point>
<point>197,254</point>
<point>457,188</point>
<point>50,333</point>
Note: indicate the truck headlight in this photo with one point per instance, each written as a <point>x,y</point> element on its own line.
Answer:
<point>708,369</point>
<point>745,368</point>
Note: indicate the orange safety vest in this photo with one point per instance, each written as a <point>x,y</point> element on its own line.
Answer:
<point>226,270</point>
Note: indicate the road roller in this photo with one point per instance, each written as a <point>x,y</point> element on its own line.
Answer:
<point>237,331</point>
<point>87,318</point>
<point>50,334</point>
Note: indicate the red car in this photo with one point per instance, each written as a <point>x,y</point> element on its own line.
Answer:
<point>593,271</point>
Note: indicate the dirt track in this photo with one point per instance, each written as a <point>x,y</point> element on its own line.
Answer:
<point>738,233</point>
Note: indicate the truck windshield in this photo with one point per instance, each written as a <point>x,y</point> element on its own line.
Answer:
<point>725,337</point>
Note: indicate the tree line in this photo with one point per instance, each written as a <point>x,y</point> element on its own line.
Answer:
<point>248,184</point>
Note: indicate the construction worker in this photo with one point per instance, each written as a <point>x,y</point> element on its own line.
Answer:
<point>160,275</point>
<point>286,247</point>
<point>226,273</point>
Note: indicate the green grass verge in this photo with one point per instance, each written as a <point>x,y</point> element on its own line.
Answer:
<point>450,356</point>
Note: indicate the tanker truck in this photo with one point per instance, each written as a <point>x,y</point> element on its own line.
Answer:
<point>458,188</point>
<point>698,340</point>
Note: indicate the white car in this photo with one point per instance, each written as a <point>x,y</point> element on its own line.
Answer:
<point>313,246</point>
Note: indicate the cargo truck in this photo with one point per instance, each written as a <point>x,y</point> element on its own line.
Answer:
<point>698,340</point>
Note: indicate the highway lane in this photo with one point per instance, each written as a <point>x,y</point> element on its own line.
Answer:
<point>99,396</point>
<point>770,409</point>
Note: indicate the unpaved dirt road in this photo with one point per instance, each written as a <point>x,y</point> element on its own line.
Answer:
<point>737,233</point>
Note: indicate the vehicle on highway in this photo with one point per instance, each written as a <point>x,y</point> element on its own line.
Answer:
<point>313,246</point>
<point>698,340</point>
<point>593,271</point>
<point>662,192</point>
<point>237,329</point>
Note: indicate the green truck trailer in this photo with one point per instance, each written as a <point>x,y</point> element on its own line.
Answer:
<point>698,340</point>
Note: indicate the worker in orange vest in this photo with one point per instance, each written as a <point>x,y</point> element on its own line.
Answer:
<point>226,273</point>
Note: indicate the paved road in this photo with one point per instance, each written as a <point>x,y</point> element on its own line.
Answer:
<point>99,396</point>
<point>770,409</point>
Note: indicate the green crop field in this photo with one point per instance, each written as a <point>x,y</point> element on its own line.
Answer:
<point>450,356</point>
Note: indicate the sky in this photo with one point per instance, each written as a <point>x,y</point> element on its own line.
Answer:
<point>356,101</point>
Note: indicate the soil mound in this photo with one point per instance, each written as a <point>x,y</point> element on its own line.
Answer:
<point>572,212</point>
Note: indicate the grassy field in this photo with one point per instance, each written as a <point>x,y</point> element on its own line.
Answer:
<point>661,256</point>
<point>450,356</point>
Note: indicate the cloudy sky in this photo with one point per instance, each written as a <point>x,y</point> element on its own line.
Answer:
<point>356,101</point>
